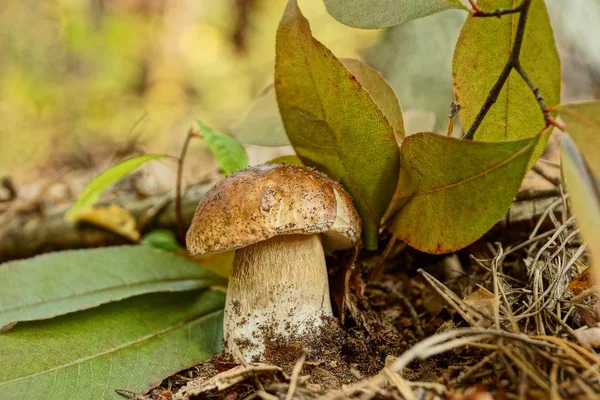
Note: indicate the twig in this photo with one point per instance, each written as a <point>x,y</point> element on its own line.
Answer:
<point>296,375</point>
<point>512,63</point>
<point>540,171</point>
<point>478,12</point>
<point>583,295</point>
<point>180,231</point>
<point>400,384</point>
<point>407,304</point>
<point>538,96</point>
<point>535,194</point>
<point>526,367</point>
<point>26,235</point>
<point>386,252</point>
<point>471,370</point>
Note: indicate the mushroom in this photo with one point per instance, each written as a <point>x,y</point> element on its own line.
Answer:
<point>277,219</point>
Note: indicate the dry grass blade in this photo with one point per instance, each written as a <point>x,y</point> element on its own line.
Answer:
<point>525,335</point>
<point>296,375</point>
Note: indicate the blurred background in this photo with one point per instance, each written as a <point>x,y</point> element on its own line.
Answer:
<point>85,83</point>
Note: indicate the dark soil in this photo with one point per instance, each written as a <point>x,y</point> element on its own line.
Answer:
<point>396,310</point>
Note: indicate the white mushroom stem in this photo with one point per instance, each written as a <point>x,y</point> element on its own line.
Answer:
<point>278,290</point>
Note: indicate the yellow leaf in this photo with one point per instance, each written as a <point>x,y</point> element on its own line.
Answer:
<point>112,218</point>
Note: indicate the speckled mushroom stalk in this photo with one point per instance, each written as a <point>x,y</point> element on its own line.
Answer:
<point>277,218</point>
<point>278,288</point>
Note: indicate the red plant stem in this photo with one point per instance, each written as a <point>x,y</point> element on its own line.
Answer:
<point>476,8</point>
<point>476,11</point>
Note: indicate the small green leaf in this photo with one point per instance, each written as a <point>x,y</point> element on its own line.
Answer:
<point>162,239</point>
<point>106,179</point>
<point>583,123</point>
<point>230,154</point>
<point>584,192</point>
<point>381,92</point>
<point>483,48</point>
<point>58,283</point>
<point>373,14</point>
<point>132,345</point>
<point>262,126</point>
<point>332,121</point>
<point>290,160</point>
<point>453,191</point>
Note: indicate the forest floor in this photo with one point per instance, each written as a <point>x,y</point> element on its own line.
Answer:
<point>511,316</point>
<point>520,297</point>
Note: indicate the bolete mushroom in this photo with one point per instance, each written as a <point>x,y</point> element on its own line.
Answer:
<point>277,218</point>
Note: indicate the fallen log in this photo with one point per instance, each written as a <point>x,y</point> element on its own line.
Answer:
<point>32,233</point>
<point>27,235</point>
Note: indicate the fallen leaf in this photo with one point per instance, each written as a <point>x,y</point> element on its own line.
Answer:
<point>58,283</point>
<point>482,301</point>
<point>133,344</point>
<point>582,282</point>
<point>112,218</point>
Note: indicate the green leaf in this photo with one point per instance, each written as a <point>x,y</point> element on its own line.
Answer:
<point>373,14</point>
<point>162,239</point>
<point>290,160</point>
<point>58,283</point>
<point>416,58</point>
<point>583,123</point>
<point>132,345</point>
<point>482,50</point>
<point>381,92</point>
<point>262,126</point>
<point>230,154</point>
<point>584,192</point>
<point>453,191</point>
<point>332,121</point>
<point>106,179</point>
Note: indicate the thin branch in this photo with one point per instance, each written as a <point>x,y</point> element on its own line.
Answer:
<point>296,374</point>
<point>510,64</point>
<point>476,11</point>
<point>379,264</point>
<point>28,234</point>
<point>538,96</point>
<point>180,232</point>
<point>541,172</point>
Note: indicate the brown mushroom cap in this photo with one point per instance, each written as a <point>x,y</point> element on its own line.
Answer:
<point>264,201</point>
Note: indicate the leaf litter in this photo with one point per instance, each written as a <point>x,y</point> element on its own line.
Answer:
<point>491,321</point>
